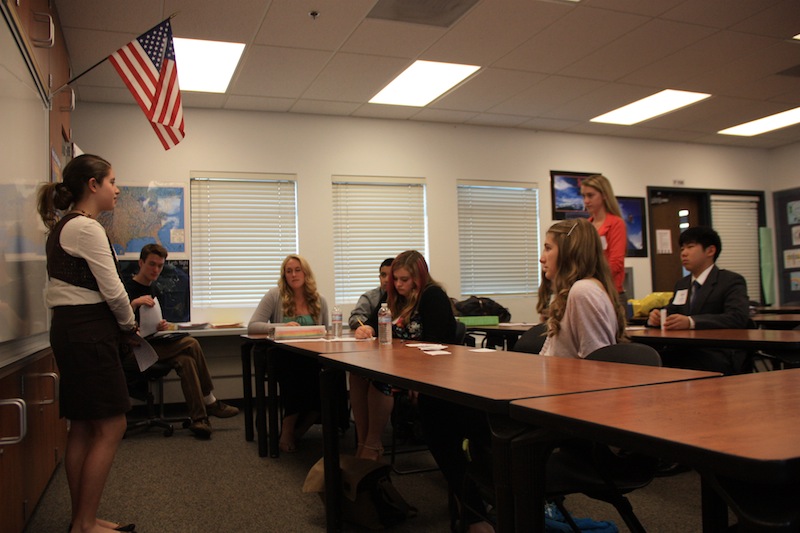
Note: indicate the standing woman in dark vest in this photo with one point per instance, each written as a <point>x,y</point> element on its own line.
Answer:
<point>91,318</point>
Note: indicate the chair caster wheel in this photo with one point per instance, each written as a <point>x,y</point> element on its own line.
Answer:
<point>169,431</point>
<point>186,424</point>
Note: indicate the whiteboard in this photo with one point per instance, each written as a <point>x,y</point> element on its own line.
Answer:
<point>24,164</point>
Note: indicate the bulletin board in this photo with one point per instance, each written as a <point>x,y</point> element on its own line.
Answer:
<point>787,240</point>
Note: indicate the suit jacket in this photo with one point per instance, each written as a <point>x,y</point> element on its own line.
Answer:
<point>721,302</point>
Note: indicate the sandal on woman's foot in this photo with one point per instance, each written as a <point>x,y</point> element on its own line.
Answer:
<point>288,447</point>
<point>370,451</point>
<point>130,528</point>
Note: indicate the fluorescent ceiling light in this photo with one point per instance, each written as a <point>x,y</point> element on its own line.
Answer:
<point>423,82</point>
<point>797,37</point>
<point>652,106</point>
<point>763,125</point>
<point>206,66</point>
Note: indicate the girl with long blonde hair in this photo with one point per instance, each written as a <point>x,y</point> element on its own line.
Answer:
<point>294,302</point>
<point>606,216</point>
<point>585,312</point>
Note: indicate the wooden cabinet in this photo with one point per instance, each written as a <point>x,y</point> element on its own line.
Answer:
<point>28,388</point>
<point>38,22</point>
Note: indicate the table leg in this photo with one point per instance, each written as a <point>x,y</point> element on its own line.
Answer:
<point>259,357</point>
<point>714,508</point>
<point>272,402</point>
<point>329,378</point>
<point>247,389</point>
<point>530,452</point>
<point>503,432</point>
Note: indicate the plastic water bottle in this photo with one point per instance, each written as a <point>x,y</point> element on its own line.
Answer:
<point>384,324</point>
<point>336,321</point>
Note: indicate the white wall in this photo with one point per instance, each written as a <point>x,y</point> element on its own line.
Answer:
<point>785,168</point>
<point>317,147</point>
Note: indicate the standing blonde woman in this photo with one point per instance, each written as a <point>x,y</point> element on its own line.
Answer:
<point>294,302</point>
<point>91,318</point>
<point>585,312</point>
<point>606,216</point>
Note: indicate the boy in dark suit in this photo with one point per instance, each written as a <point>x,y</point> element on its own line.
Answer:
<point>708,298</point>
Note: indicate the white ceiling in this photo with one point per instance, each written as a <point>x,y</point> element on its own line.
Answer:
<point>547,65</point>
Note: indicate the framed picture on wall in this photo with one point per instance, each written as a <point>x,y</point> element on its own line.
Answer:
<point>635,217</point>
<point>566,194</point>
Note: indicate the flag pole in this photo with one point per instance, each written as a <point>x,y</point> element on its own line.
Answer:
<point>76,78</point>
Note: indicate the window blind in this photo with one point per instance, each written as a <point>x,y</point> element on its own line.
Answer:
<point>498,236</point>
<point>374,218</point>
<point>243,226</point>
<point>735,218</point>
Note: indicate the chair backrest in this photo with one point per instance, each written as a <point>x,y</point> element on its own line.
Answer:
<point>628,352</point>
<point>532,340</point>
<point>461,332</point>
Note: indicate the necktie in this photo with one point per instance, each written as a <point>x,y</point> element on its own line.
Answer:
<point>693,297</point>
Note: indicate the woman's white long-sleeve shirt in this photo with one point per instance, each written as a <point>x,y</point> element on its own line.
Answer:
<point>85,238</point>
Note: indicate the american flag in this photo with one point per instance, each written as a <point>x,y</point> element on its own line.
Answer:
<point>147,66</point>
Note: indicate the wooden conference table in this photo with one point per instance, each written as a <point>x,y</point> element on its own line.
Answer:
<point>781,309</point>
<point>509,333</point>
<point>741,433</point>
<point>747,339</point>
<point>777,321</point>
<point>260,351</point>
<point>487,380</point>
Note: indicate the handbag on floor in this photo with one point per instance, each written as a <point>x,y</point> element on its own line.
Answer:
<point>370,499</point>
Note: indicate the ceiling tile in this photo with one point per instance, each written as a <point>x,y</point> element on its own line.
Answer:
<point>495,119</point>
<point>780,20</point>
<point>650,8</point>
<point>400,112</point>
<point>443,115</point>
<point>551,92</point>
<point>213,20</point>
<point>715,52</point>
<point>105,15</point>
<point>605,98</point>
<point>548,124</point>
<point>393,39</point>
<point>319,107</point>
<point>717,13</point>
<point>354,77</point>
<point>487,88</point>
<point>288,23</point>
<point>647,43</point>
<point>569,39</point>
<point>204,100</point>
<point>258,103</point>
<point>281,72</point>
<point>492,29</point>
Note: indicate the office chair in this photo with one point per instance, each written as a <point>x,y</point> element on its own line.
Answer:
<point>761,361</point>
<point>582,466</point>
<point>140,387</point>
<point>532,340</point>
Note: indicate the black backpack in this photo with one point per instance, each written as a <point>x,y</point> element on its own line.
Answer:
<point>480,306</point>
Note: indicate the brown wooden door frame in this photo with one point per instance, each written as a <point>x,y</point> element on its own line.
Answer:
<point>703,215</point>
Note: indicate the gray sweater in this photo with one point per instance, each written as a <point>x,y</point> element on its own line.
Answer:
<point>270,311</point>
<point>365,307</point>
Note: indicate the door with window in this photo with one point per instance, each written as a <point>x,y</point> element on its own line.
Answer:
<point>670,213</point>
<point>735,215</point>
